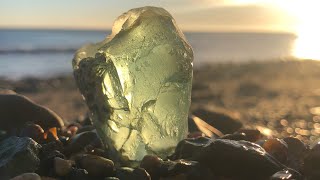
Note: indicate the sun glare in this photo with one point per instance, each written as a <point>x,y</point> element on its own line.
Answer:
<point>307,26</point>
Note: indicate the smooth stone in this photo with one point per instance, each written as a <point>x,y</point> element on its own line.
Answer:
<point>48,153</point>
<point>238,159</point>
<point>95,165</point>
<point>183,169</point>
<point>252,135</point>
<point>78,142</point>
<point>111,178</point>
<point>14,151</point>
<point>137,84</point>
<point>33,131</point>
<point>61,166</point>
<point>124,173</point>
<point>16,110</point>
<point>296,153</point>
<point>225,121</point>
<point>27,176</point>
<point>78,174</point>
<point>188,148</point>
<point>311,163</point>
<point>277,148</point>
<point>152,164</point>
<point>286,175</point>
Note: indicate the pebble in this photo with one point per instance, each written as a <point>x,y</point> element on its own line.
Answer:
<point>16,110</point>
<point>225,121</point>
<point>124,173</point>
<point>33,131</point>
<point>151,163</point>
<point>61,166</point>
<point>187,148</point>
<point>27,176</point>
<point>312,163</point>
<point>286,175</point>
<point>14,151</point>
<point>78,174</point>
<point>78,142</point>
<point>238,159</point>
<point>95,165</point>
<point>296,152</point>
<point>277,148</point>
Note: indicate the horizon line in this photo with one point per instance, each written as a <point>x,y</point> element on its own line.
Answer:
<point>185,31</point>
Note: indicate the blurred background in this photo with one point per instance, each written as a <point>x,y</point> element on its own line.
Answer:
<point>256,59</point>
<point>38,38</point>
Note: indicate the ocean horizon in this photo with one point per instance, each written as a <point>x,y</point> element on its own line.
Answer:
<point>44,53</point>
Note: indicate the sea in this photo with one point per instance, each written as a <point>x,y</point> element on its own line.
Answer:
<point>47,53</point>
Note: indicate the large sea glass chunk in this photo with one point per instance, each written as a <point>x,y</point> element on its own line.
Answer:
<point>137,84</point>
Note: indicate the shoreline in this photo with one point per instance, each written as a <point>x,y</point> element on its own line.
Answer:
<point>283,96</point>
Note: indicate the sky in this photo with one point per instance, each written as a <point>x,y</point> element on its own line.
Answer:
<point>191,15</point>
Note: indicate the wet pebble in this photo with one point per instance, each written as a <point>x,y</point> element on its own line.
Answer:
<point>296,152</point>
<point>238,159</point>
<point>312,163</point>
<point>277,148</point>
<point>251,135</point>
<point>61,166</point>
<point>187,148</point>
<point>27,176</point>
<point>124,173</point>
<point>286,175</point>
<point>95,165</point>
<point>78,142</point>
<point>19,110</point>
<point>18,155</point>
<point>226,122</point>
<point>33,131</point>
<point>152,164</point>
<point>78,174</point>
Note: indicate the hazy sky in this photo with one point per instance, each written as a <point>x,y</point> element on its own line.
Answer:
<point>191,15</point>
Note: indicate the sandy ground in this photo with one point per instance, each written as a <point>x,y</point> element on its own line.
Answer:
<point>283,96</point>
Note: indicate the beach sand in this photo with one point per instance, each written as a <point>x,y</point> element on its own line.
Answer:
<point>283,96</point>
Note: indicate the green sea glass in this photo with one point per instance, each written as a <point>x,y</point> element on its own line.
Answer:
<point>137,84</point>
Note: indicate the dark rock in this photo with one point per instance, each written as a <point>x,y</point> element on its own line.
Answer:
<point>183,169</point>
<point>224,121</point>
<point>16,110</point>
<point>296,153</point>
<point>187,148</point>
<point>48,153</point>
<point>312,163</point>
<point>27,176</point>
<point>152,164</point>
<point>47,162</point>
<point>238,159</point>
<point>62,167</point>
<point>111,178</point>
<point>286,174</point>
<point>95,165</point>
<point>251,135</point>
<point>235,136</point>
<point>33,131</point>
<point>17,156</point>
<point>124,173</point>
<point>78,174</point>
<point>140,174</point>
<point>78,142</point>
<point>98,152</point>
<point>277,148</point>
